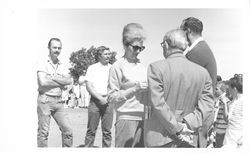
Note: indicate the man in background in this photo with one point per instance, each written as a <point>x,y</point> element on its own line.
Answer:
<point>97,82</point>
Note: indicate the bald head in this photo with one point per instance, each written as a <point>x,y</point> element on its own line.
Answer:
<point>176,39</point>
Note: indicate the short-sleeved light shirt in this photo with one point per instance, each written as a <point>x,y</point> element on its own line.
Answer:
<point>51,69</point>
<point>98,75</point>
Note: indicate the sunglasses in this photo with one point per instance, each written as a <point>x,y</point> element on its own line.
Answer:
<point>140,48</point>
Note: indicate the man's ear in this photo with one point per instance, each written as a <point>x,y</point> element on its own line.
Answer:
<point>189,31</point>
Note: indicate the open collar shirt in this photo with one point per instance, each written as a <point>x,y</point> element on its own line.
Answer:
<point>193,45</point>
<point>51,69</point>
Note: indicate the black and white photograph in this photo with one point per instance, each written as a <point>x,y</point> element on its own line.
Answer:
<point>133,76</point>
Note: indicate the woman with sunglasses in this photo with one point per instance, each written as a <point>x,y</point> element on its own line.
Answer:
<point>127,89</point>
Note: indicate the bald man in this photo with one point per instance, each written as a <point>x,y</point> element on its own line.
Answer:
<point>180,97</point>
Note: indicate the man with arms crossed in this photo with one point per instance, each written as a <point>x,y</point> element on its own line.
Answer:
<point>52,77</point>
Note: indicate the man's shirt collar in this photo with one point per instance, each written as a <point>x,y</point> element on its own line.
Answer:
<point>50,61</point>
<point>193,45</point>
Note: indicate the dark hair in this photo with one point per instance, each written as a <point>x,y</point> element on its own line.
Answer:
<point>236,82</point>
<point>52,39</point>
<point>219,78</point>
<point>194,24</point>
<point>99,51</point>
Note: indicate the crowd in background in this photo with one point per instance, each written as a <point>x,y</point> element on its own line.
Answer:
<point>76,95</point>
<point>227,129</point>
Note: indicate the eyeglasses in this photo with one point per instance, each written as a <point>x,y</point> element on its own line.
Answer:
<point>140,48</point>
<point>162,43</point>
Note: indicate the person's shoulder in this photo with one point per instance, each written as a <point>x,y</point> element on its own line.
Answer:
<point>118,63</point>
<point>202,71</point>
<point>158,63</point>
<point>93,66</point>
<point>202,43</point>
<point>64,64</point>
<point>204,46</point>
<point>195,66</point>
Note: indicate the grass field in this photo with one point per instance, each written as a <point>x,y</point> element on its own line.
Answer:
<point>78,118</point>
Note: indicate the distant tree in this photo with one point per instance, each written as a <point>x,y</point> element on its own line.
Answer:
<point>80,61</point>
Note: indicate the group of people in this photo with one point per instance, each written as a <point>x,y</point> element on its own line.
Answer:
<point>169,104</point>
<point>227,128</point>
<point>75,96</point>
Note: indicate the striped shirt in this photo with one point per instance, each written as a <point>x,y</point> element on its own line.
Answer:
<point>221,124</point>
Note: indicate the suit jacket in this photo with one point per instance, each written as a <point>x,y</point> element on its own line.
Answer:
<point>178,90</point>
<point>202,55</point>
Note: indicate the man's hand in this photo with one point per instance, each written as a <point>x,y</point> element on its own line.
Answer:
<point>186,138</point>
<point>186,134</point>
<point>186,130</point>
<point>240,142</point>
<point>61,79</point>
<point>55,76</point>
<point>103,101</point>
<point>141,86</point>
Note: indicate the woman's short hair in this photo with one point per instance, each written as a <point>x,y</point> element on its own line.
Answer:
<point>236,82</point>
<point>132,32</point>
<point>99,52</point>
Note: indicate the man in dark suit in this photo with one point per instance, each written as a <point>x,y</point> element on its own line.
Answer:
<point>200,53</point>
<point>180,97</point>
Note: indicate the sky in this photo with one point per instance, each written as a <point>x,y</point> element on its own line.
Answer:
<point>26,27</point>
<point>82,28</point>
